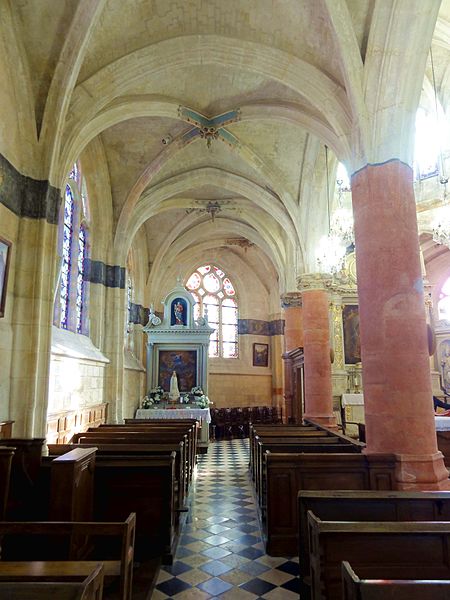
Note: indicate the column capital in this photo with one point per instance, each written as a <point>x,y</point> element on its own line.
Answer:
<point>314,281</point>
<point>291,300</point>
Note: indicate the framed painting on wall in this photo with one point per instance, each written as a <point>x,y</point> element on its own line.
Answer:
<point>183,362</point>
<point>5,252</point>
<point>352,343</point>
<point>260,355</point>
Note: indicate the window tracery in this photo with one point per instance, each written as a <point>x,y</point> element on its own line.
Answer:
<point>213,290</point>
<point>70,311</point>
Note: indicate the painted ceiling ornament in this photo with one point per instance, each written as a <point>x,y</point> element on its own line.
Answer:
<point>213,128</point>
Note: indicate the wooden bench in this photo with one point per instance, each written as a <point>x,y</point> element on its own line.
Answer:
<point>115,449</point>
<point>366,505</point>
<point>354,588</point>
<point>86,545</point>
<point>6,457</point>
<point>287,474</point>
<point>160,434</point>
<point>310,445</point>
<point>189,427</point>
<point>397,550</point>
<point>91,588</point>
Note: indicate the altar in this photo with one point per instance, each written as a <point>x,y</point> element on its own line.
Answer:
<point>201,414</point>
<point>352,410</point>
<point>177,361</point>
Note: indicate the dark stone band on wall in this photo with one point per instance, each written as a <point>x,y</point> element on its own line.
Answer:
<point>27,197</point>
<point>259,327</point>
<point>112,276</point>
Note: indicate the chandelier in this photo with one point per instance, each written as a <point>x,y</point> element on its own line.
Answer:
<point>330,254</point>
<point>441,228</point>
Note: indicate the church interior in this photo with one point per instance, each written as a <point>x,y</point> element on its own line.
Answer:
<point>246,202</point>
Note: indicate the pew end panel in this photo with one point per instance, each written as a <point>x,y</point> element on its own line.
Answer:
<point>389,550</point>
<point>354,588</point>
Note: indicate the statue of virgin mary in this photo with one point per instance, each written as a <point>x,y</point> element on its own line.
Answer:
<point>174,392</point>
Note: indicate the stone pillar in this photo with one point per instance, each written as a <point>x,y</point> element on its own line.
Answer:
<point>316,344</point>
<point>398,403</point>
<point>293,338</point>
<point>115,342</point>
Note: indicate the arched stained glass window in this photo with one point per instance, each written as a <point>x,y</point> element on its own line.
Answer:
<point>213,291</point>
<point>70,311</point>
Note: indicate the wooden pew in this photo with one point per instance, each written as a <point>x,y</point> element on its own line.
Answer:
<point>25,469</point>
<point>287,474</point>
<point>398,550</point>
<point>366,505</point>
<point>149,437</point>
<point>91,588</point>
<point>354,588</point>
<point>190,427</point>
<point>110,543</point>
<point>161,431</point>
<point>138,449</point>
<point>6,457</point>
<point>309,445</point>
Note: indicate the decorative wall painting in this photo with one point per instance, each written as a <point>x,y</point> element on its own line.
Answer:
<point>5,252</point>
<point>352,342</point>
<point>260,355</point>
<point>184,363</point>
<point>444,358</point>
<point>178,312</point>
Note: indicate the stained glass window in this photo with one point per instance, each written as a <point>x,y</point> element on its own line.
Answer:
<point>70,311</point>
<point>214,293</point>
<point>66,257</point>
<point>80,277</point>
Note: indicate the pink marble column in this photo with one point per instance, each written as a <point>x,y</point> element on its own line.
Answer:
<point>396,373</point>
<point>293,338</point>
<point>316,344</point>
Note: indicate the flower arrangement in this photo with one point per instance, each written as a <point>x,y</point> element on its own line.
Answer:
<point>197,391</point>
<point>147,402</point>
<point>203,401</point>
<point>156,394</point>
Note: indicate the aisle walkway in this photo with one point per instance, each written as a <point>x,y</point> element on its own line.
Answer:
<point>221,554</point>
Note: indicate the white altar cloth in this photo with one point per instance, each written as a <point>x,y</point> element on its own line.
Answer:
<point>442,423</point>
<point>352,400</point>
<point>202,414</point>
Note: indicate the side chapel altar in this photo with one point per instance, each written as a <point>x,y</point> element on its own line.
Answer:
<point>177,360</point>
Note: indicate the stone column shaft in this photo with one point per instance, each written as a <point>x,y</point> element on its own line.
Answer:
<point>399,411</point>
<point>316,343</point>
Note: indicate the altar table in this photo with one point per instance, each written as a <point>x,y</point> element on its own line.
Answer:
<point>201,414</point>
<point>442,423</point>
<point>352,409</point>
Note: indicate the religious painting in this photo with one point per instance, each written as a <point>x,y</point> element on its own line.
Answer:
<point>184,363</point>
<point>352,342</point>
<point>260,355</point>
<point>5,252</point>
<point>178,312</point>
<point>444,358</point>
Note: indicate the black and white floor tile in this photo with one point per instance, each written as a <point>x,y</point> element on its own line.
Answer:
<point>221,554</point>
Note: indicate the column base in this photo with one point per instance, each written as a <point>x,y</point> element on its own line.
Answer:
<point>421,472</point>
<point>328,421</point>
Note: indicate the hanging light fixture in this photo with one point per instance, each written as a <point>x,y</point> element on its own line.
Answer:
<point>331,252</point>
<point>441,228</point>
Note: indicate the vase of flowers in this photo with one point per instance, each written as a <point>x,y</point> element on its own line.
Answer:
<point>203,401</point>
<point>156,394</point>
<point>146,402</point>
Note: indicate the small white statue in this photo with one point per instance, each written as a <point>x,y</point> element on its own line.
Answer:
<point>174,392</point>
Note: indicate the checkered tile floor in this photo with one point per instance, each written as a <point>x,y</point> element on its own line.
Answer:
<point>221,554</point>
